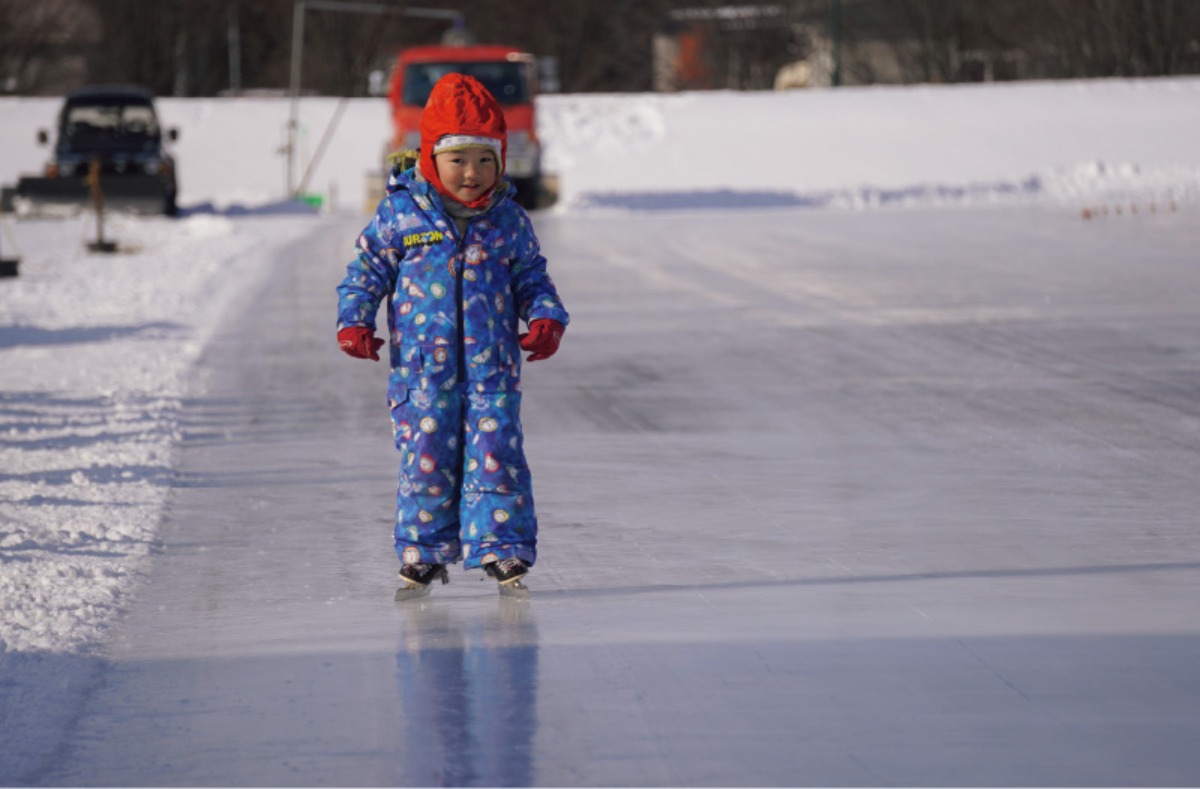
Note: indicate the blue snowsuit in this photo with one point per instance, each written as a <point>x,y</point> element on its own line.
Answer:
<point>454,302</point>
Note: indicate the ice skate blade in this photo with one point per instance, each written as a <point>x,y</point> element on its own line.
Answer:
<point>514,589</point>
<point>411,592</point>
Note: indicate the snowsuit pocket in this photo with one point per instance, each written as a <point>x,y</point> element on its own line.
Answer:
<point>493,367</point>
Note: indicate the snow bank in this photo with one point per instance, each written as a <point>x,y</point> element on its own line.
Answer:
<point>861,148</point>
<point>96,352</point>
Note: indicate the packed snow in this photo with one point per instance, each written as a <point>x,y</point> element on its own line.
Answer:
<point>98,351</point>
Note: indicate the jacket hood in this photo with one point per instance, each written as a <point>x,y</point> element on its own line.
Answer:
<point>400,171</point>
<point>460,105</point>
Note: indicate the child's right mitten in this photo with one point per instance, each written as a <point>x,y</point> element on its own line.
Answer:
<point>359,342</point>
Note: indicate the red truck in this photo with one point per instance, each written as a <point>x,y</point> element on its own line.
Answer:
<point>510,75</point>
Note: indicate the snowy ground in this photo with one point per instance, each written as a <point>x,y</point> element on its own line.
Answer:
<point>888,340</point>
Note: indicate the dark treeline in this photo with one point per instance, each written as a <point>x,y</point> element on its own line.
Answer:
<point>206,47</point>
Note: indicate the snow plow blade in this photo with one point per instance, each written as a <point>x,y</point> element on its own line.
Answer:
<point>139,194</point>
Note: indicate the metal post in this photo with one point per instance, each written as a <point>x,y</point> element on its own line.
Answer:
<point>9,267</point>
<point>294,92</point>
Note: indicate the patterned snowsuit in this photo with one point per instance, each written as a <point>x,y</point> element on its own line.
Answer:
<point>455,384</point>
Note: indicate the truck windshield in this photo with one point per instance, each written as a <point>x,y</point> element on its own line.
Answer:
<point>505,80</point>
<point>106,121</point>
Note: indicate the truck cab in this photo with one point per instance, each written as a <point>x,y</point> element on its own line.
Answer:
<point>115,130</point>
<point>509,74</point>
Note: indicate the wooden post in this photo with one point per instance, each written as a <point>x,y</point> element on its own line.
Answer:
<point>93,182</point>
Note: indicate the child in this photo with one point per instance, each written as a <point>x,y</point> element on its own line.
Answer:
<point>458,263</point>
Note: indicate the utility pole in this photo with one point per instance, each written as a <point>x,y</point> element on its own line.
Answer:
<point>180,53</point>
<point>835,40</point>
<point>235,51</point>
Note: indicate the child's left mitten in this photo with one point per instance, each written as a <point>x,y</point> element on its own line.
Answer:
<point>543,338</point>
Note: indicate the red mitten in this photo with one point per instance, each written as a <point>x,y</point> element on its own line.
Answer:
<point>543,339</point>
<point>360,342</point>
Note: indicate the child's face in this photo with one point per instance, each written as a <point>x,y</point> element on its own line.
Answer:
<point>468,173</point>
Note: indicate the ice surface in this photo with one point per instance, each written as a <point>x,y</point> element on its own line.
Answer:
<point>878,503</point>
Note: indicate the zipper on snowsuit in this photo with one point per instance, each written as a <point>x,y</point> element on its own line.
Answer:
<point>461,316</point>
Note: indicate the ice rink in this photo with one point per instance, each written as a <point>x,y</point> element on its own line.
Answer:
<point>905,497</point>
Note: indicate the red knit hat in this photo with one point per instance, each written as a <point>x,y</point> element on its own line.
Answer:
<point>461,113</point>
